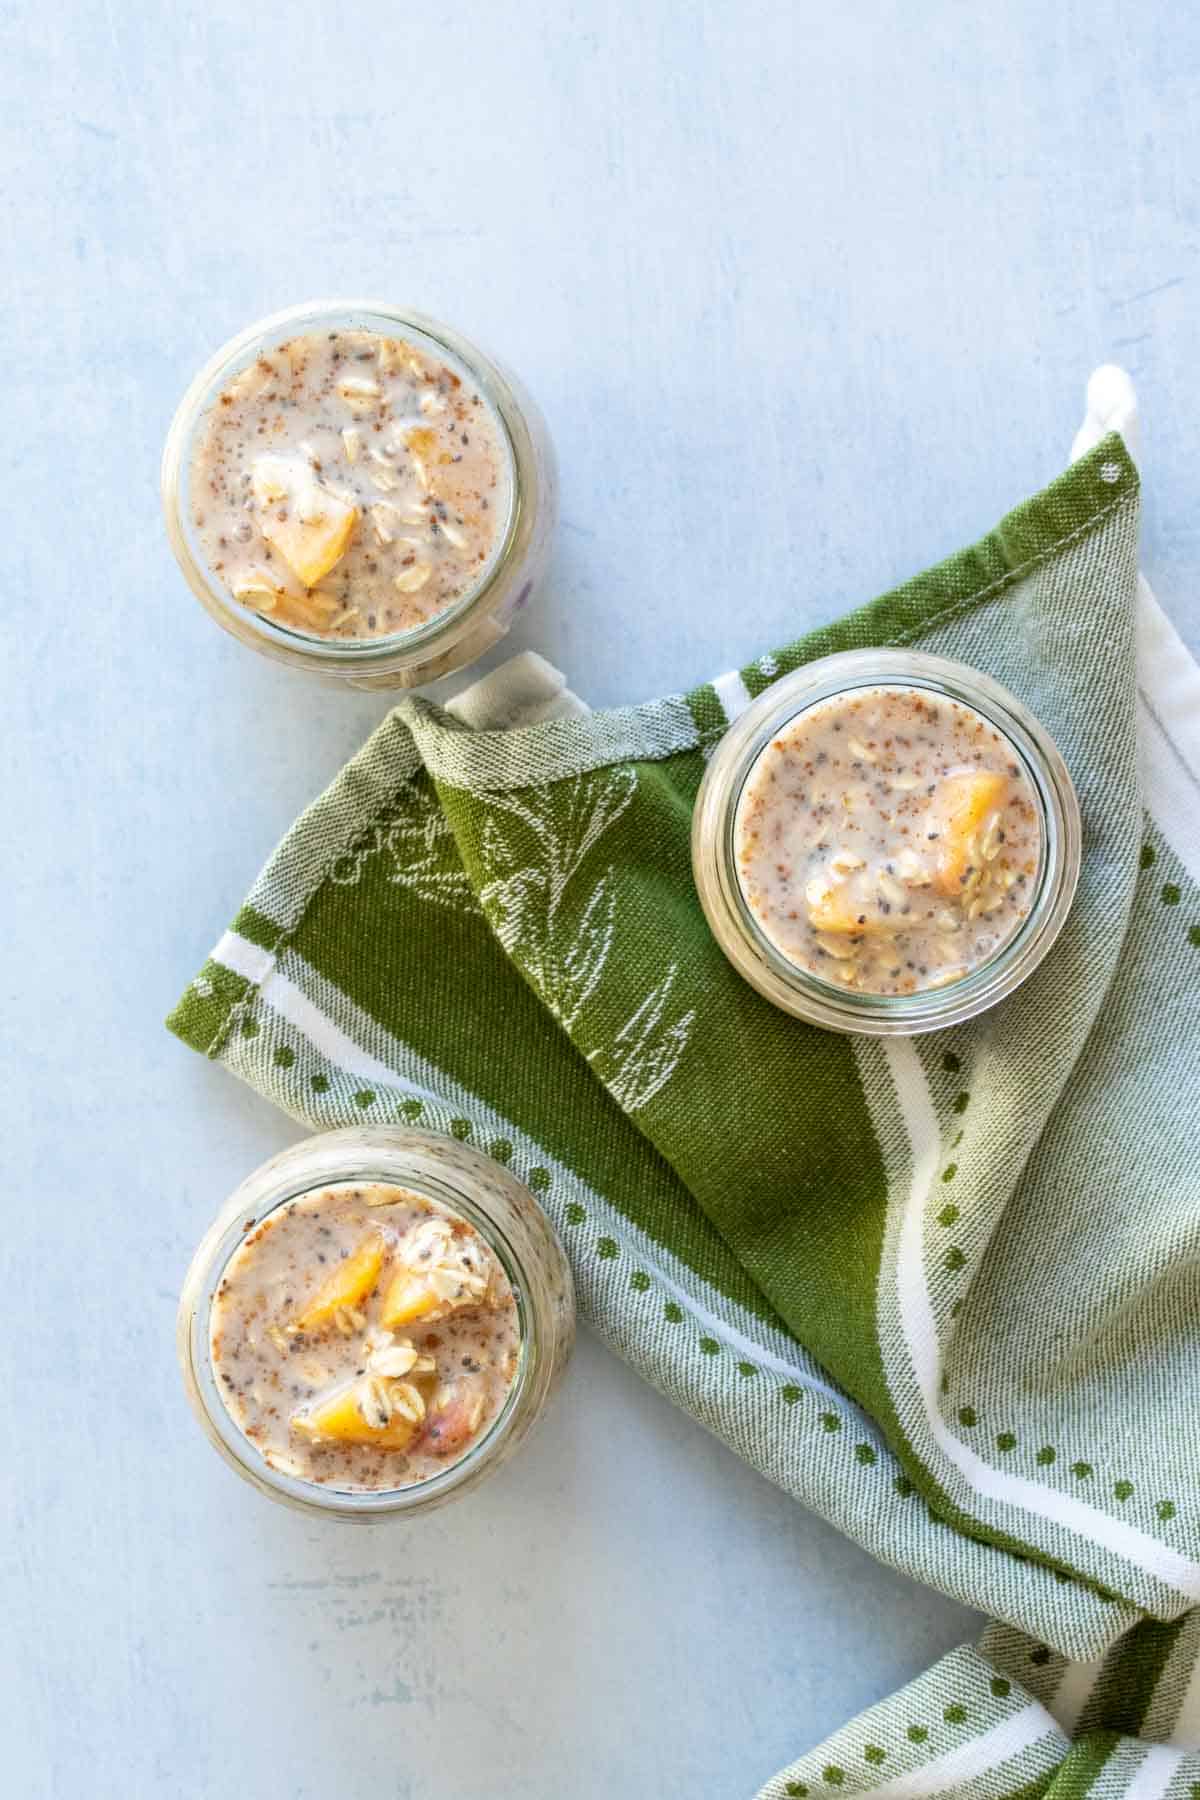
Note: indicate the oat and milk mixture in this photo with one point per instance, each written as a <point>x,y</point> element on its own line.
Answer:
<point>349,485</point>
<point>888,839</point>
<point>363,1338</point>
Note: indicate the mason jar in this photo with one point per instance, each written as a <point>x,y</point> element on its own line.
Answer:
<point>461,1182</point>
<point>827,1003</point>
<point>471,623</point>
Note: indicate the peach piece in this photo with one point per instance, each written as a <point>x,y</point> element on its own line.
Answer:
<point>436,1275</point>
<point>408,1299</point>
<point>453,1417</point>
<point>347,1284</point>
<point>843,906</point>
<point>957,813</point>
<point>316,527</point>
<point>360,1413</point>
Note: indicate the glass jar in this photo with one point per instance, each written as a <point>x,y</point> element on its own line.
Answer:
<point>471,624</point>
<point>463,1182</point>
<point>806,995</point>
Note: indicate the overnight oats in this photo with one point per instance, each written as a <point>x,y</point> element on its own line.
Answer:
<point>886,842</point>
<point>888,839</point>
<point>359,491</point>
<point>362,1336</point>
<point>372,1342</point>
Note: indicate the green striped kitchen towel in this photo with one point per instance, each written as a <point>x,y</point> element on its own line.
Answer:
<point>946,1291</point>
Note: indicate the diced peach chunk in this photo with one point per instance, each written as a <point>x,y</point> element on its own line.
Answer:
<point>843,906</point>
<point>347,1284</point>
<point>437,1273</point>
<point>408,1299</point>
<point>360,1413</point>
<point>316,525</point>
<point>454,1416</point>
<point>958,812</point>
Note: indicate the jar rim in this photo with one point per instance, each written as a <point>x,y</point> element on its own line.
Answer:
<point>393,1156</point>
<point>345,657</point>
<point>723,898</point>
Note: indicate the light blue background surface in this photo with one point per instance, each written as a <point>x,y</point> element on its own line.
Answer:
<point>809,296</point>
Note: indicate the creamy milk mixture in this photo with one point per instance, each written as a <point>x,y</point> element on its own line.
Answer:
<point>349,485</point>
<point>362,1337</point>
<point>888,839</point>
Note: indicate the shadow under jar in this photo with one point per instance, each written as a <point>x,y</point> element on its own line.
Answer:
<point>374,1322</point>
<point>354,489</point>
<point>886,842</point>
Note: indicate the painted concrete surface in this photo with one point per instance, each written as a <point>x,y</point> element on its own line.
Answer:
<point>809,296</point>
